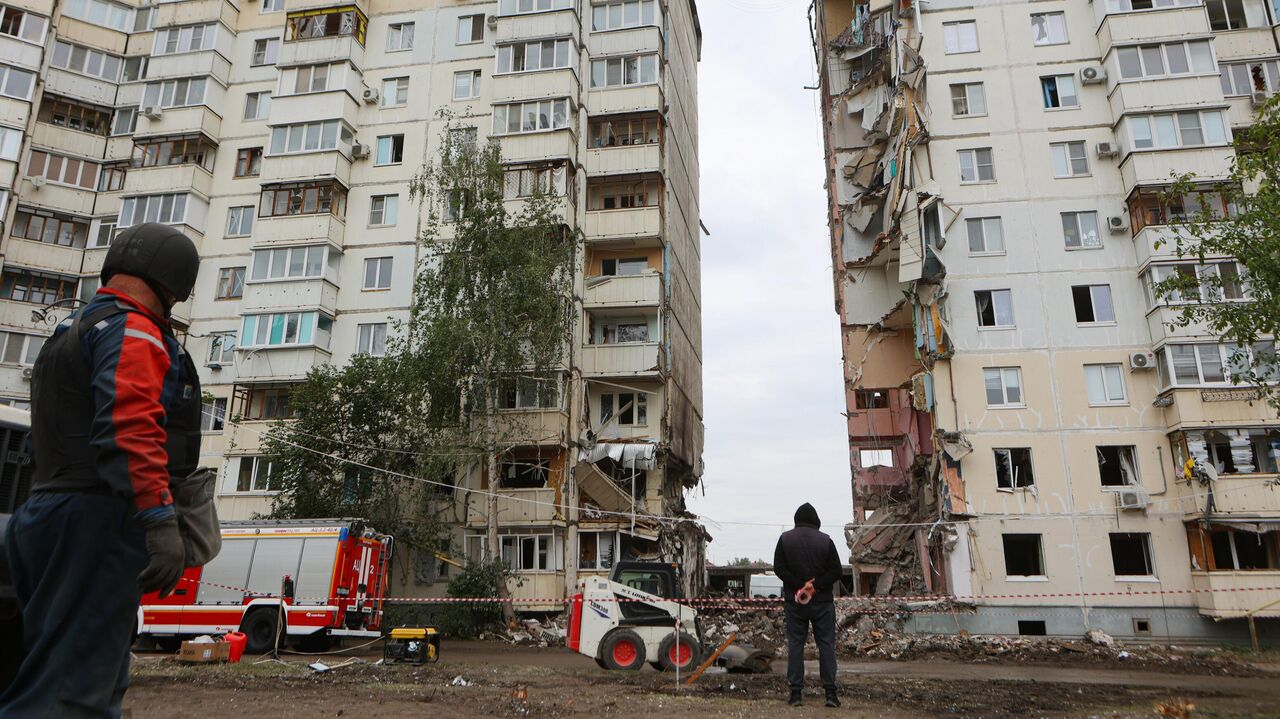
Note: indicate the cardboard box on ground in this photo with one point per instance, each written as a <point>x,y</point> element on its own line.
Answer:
<point>204,652</point>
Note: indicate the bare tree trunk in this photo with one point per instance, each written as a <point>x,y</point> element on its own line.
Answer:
<point>495,547</point>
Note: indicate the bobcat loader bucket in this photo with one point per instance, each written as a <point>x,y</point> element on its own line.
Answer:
<point>745,659</point>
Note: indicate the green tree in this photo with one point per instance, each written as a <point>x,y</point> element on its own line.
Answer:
<point>1237,217</point>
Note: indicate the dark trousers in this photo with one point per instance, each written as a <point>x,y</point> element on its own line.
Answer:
<point>823,618</point>
<point>75,560</point>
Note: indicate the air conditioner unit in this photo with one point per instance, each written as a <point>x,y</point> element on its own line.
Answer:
<point>491,21</point>
<point>1093,74</point>
<point>38,181</point>
<point>1116,223</point>
<point>26,373</point>
<point>359,151</point>
<point>1132,498</point>
<point>152,112</point>
<point>369,95</point>
<point>1258,98</point>
<point>1107,149</point>
<point>1142,360</point>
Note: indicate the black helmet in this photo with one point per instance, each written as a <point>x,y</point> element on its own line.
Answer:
<point>158,254</point>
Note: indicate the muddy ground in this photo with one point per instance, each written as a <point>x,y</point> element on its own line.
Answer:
<point>499,681</point>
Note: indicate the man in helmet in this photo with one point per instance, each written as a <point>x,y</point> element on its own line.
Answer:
<point>115,412</point>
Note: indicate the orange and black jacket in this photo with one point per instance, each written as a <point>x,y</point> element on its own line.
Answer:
<point>115,406</point>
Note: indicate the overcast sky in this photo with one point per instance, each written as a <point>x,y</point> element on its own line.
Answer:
<point>771,346</point>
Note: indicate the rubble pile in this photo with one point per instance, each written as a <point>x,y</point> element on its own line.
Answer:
<point>548,632</point>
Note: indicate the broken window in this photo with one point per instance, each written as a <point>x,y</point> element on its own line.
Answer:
<point>1249,77</point>
<point>1022,555</point>
<point>526,392</point>
<point>868,458</point>
<point>1245,451</point>
<point>632,408</point>
<point>624,266</point>
<point>1013,468</point>
<point>527,553</point>
<point>1059,91</point>
<point>1003,386</point>
<point>1049,28</point>
<point>625,131</point>
<point>1093,303</point>
<point>986,235</point>
<point>596,550</point>
<point>1105,383</point>
<point>1117,465</point>
<point>619,330</point>
<point>871,399</point>
<point>968,99</point>
<point>1131,554</point>
<point>527,473</point>
<point>995,308</point>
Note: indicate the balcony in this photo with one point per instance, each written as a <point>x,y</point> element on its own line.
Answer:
<point>206,63</point>
<point>302,228</point>
<point>622,224</point>
<point>624,160</point>
<point>632,41</point>
<point>1232,593</point>
<point>181,121</point>
<point>563,207</point>
<point>15,112</point>
<point>615,100</point>
<point>295,5</point>
<point>36,255</point>
<point>244,438</point>
<point>314,51</point>
<point>536,85</point>
<point>532,426</point>
<point>69,199</point>
<point>72,142</point>
<point>92,90</point>
<point>279,363</point>
<point>167,178</point>
<point>290,294</point>
<point>1217,406</point>
<point>644,290</point>
<point>1244,495</point>
<point>1195,91</point>
<point>196,11</point>
<point>539,146</point>
<point>1144,244</point>
<point>23,54</point>
<point>537,591</point>
<point>1173,23</point>
<point>306,166</point>
<point>623,360</point>
<point>1154,167</point>
<point>535,26</point>
<point>314,106</point>
<point>1244,44</point>
<point>517,507</point>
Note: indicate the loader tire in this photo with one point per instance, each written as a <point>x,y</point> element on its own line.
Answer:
<point>686,656</point>
<point>260,630</point>
<point>622,650</point>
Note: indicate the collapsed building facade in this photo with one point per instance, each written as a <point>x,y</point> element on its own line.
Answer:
<point>1020,403</point>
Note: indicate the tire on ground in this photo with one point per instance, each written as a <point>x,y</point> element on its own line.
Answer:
<point>168,644</point>
<point>259,627</point>
<point>690,653</point>
<point>622,649</point>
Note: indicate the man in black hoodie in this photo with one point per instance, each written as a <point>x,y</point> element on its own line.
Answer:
<point>807,559</point>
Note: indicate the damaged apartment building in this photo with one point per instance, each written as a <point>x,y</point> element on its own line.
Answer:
<point>282,136</point>
<point>1020,403</point>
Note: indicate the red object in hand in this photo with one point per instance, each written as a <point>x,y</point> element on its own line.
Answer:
<point>805,593</point>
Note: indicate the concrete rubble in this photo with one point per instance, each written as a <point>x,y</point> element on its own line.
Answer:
<point>549,632</point>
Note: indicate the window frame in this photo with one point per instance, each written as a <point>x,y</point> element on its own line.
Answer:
<point>1102,370</point>
<point>1063,157</point>
<point>1057,81</point>
<point>473,78</point>
<point>995,308</point>
<point>1009,576</point>
<point>399,97</point>
<point>228,287</point>
<point>1002,375</point>
<point>1096,293</point>
<point>475,24</point>
<point>268,54</point>
<point>967,97</point>
<point>959,47</point>
<point>1059,15</point>
<point>244,210</point>
<point>974,153</point>
<point>368,339</point>
<point>397,29</point>
<point>389,202</point>
<point>382,278</point>
<point>1015,483</point>
<point>1076,217</point>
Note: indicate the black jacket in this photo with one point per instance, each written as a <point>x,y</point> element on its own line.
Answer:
<point>806,553</point>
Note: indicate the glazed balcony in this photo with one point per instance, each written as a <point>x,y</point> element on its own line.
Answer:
<point>1174,93</point>
<point>181,121</point>
<point>43,256</point>
<point>536,26</point>
<point>279,363</point>
<point>632,41</point>
<point>1193,407</point>
<point>1132,27</point>
<point>617,100</point>
<point>314,51</point>
<point>538,146</point>
<point>1244,44</point>
<point>301,228</point>
<point>165,178</point>
<point>267,295</point>
<point>1154,167</point>
<point>20,53</point>
<point>196,11</point>
<point>306,166</point>
<point>539,84</point>
<point>71,142</point>
<point>69,84</point>
<point>315,106</point>
<point>207,63</point>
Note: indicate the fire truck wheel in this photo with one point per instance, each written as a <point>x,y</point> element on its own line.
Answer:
<point>685,655</point>
<point>169,644</point>
<point>623,650</point>
<point>260,630</point>
<point>318,642</point>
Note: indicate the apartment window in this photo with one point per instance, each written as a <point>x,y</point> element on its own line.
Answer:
<point>60,113</point>
<point>175,93</point>
<point>1013,468</point>
<point>1118,465</point>
<point>968,100</point>
<point>530,117</point>
<point>1003,386</point>
<point>524,392</point>
<point>1048,28</point>
<point>1246,78</point>
<point>1213,364</point>
<point>101,13</point>
<point>213,415</point>
<point>462,140</point>
<point>1022,555</point>
<point>383,209</point>
<point>623,266</point>
<point>303,198</point>
<point>21,24</point>
<point>1070,159</point>
<point>257,105</point>
<point>191,38</point>
<point>16,83</point>
<point>1080,230</point>
<point>539,55</point>
<point>20,349</point>
<point>619,330</point>
<point>1093,304</point>
<point>313,78</point>
<point>622,71</point>
<point>1162,60</point>
<point>256,475</point>
<point>89,287</point>
<point>1117,6</point>
<point>1131,554</point>
<point>515,7</point>
<point>619,15</point>
<point>310,137</point>
<point>186,150</point>
<point>470,29</point>
<point>455,203</point>
<point>286,328</point>
<point>269,6</point>
<point>94,63</point>
<point>249,162</point>
<point>1236,14</point>
<point>111,178</point>
<point>1183,129</point>
<point>625,132</point>
<point>977,165</point>
<point>995,308</point>
<point>125,121</point>
<point>264,51</point>
<point>230,283</point>
<point>390,150</point>
<point>169,209</point>
<point>46,227</point>
<point>868,458</point>
<point>289,263</point>
<point>39,288</point>
<point>377,273</point>
<point>1154,207</point>
<point>240,221</point>
<point>632,408</point>
<point>986,235</point>
<point>523,473</point>
<point>1105,383</point>
<point>395,91</point>
<point>222,349</point>
<point>345,21</point>
<point>871,399</point>
<point>596,550</point>
<point>527,181</point>
<point>63,170</point>
<point>624,196</point>
<point>135,68</point>
<point>466,85</point>
<point>1059,91</point>
<point>106,232</point>
<point>400,36</point>
<point>960,37</point>
<point>371,339</point>
<point>528,554</point>
<point>10,143</point>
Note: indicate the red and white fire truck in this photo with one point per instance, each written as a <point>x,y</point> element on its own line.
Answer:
<point>336,573</point>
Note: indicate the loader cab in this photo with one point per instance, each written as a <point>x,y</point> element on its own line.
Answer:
<point>657,578</point>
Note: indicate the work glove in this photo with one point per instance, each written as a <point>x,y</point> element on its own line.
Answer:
<point>164,546</point>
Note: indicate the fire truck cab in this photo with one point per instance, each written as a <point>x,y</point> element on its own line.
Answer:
<point>336,572</point>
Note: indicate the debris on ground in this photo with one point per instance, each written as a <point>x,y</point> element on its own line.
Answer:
<point>1175,709</point>
<point>535,633</point>
<point>1099,637</point>
<point>458,681</point>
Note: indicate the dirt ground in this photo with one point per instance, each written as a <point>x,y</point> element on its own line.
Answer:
<point>517,682</point>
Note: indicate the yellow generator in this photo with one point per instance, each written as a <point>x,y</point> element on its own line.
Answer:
<point>414,645</point>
